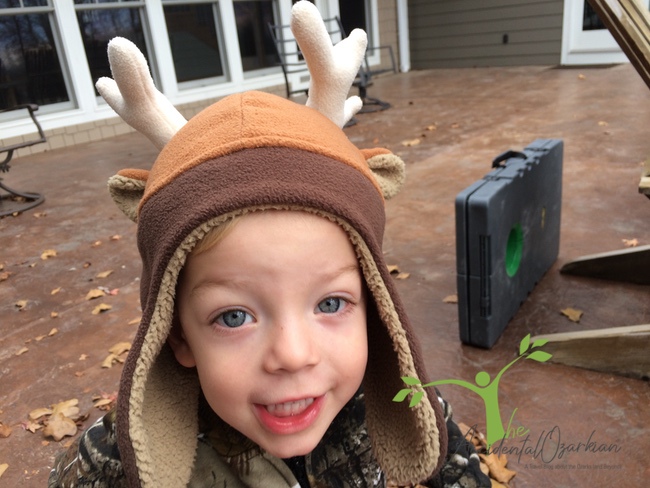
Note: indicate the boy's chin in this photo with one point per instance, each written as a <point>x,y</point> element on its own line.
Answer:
<point>286,450</point>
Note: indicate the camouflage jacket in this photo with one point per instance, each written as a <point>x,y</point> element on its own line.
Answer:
<point>226,458</point>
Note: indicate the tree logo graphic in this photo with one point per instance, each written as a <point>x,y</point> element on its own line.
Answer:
<point>485,387</point>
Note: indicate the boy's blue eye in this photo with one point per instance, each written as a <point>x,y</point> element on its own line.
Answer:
<point>331,305</point>
<point>233,318</point>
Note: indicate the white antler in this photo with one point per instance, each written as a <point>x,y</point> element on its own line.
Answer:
<point>332,68</point>
<point>134,97</point>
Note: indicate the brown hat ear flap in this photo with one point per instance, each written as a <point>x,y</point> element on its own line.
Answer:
<point>388,169</point>
<point>127,189</point>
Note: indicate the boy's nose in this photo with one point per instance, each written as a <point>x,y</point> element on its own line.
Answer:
<point>292,346</point>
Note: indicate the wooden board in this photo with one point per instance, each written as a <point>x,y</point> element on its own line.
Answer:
<point>619,350</point>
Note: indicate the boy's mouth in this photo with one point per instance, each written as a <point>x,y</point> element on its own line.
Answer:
<point>289,409</point>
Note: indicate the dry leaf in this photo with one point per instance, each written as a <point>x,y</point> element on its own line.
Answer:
<point>104,274</point>
<point>40,412</point>
<point>32,265</point>
<point>45,443</point>
<point>102,403</point>
<point>87,264</point>
<point>49,253</point>
<point>450,299</point>
<point>393,268</point>
<point>627,242</point>
<point>40,338</point>
<point>21,304</point>
<point>135,321</point>
<point>572,314</point>
<point>38,215</point>
<point>102,307</point>
<point>79,374</point>
<point>581,77</point>
<point>116,237</point>
<point>55,291</point>
<point>54,315</point>
<point>455,125</point>
<point>3,468</point>
<point>602,123</point>
<point>96,244</point>
<point>59,426</point>
<point>5,431</point>
<point>68,408</point>
<point>83,357</point>
<point>5,275</point>
<point>120,348</point>
<point>497,466</point>
<point>402,276</point>
<point>52,332</point>
<point>110,359</point>
<point>411,142</point>
<point>94,293</point>
<point>22,351</point>
<point>430,127</point>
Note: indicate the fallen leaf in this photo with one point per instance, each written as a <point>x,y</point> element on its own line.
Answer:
<point>402,276</point>
<point>32,265</point>
<point>411,142</point>
<point>49,253</point>
<point>79,374</point>
<point>87,264</point>
<point>54,315</point>
<point>68,408</point>
<point>104,274</point>
<point>102,307</point>
<point>430,127</point>
<point>120,348</point>
<point>40,338</point>
<point>5,431</point>
<point>5,275</point>
<point>135,321</point>
<point>450,299</point>
<point>572,314</point>
<point>455,125</point>
<point>52,332</point>
<point>3,468</point>
<point>116,237</point>
<point>40,412</point>
<point>38,215</point>
<point>102,403</point>
<point>582,77</point>
<point>22,351</point>
<point>627,242</point>
<point>59,426</point>
<point>95,293</point>
<point>393,268</point>
<point>497,465</point>
<point>602,123</point>
<point>31,426</point>
<point>96,244</point>
<point>21,304</point>
<point>55,291</point>
<point>45,443</point>
<point>83,357</point>
<point>109,361</point>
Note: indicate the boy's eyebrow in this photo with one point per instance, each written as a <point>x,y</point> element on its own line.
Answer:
<point>241,283</point>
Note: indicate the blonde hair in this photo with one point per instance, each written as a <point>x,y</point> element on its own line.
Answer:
<point>215,236</point>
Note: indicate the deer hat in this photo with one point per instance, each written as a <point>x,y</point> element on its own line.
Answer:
<point>251,152</point>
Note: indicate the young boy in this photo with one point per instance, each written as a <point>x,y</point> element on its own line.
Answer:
<point>272,339</point>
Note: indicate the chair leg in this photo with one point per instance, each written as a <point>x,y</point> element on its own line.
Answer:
<point>15,201</point>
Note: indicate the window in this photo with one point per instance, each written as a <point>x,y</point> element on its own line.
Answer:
<point>30,64</point>
<point>255,41</point>
<point>194,40</point>
<point>100,21</point>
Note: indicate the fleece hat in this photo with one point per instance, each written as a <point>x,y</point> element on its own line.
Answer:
<point>253,152</point>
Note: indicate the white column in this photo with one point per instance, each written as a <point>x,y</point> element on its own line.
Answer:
<point>403,36</point>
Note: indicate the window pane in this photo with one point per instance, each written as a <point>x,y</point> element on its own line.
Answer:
<point>255,41</point>
<point>35,3</point>
<point>590,19</point>
<point>30,71</point>
<point>100,26</point>
<point>9,3</point>
<point>194,41</point>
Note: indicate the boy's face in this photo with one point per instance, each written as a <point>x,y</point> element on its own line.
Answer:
<point>274,319</point>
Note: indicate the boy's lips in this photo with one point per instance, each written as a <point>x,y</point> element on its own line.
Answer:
<point>290,417</point>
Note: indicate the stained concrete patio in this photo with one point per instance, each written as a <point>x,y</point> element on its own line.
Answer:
<point>602,114</point>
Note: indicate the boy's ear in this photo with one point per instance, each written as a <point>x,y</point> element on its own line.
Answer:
<point>127,189</point>
<point>180,346</point>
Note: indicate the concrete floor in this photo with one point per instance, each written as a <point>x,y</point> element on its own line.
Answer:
<point>602,114</point>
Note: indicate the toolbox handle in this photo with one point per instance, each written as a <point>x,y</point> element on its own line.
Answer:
<point>505,156</point>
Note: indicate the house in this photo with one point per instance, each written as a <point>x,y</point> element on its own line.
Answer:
<point>52,51</point>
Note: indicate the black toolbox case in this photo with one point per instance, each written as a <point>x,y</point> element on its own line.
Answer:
<point>507,237</point>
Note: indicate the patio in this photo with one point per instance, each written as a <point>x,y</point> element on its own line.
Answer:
<point>462,119</point>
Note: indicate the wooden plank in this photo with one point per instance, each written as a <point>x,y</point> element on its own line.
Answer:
<point>631,265</point>
<point>618,350</point>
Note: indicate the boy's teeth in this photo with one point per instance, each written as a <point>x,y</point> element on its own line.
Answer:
<point>290,408</point>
